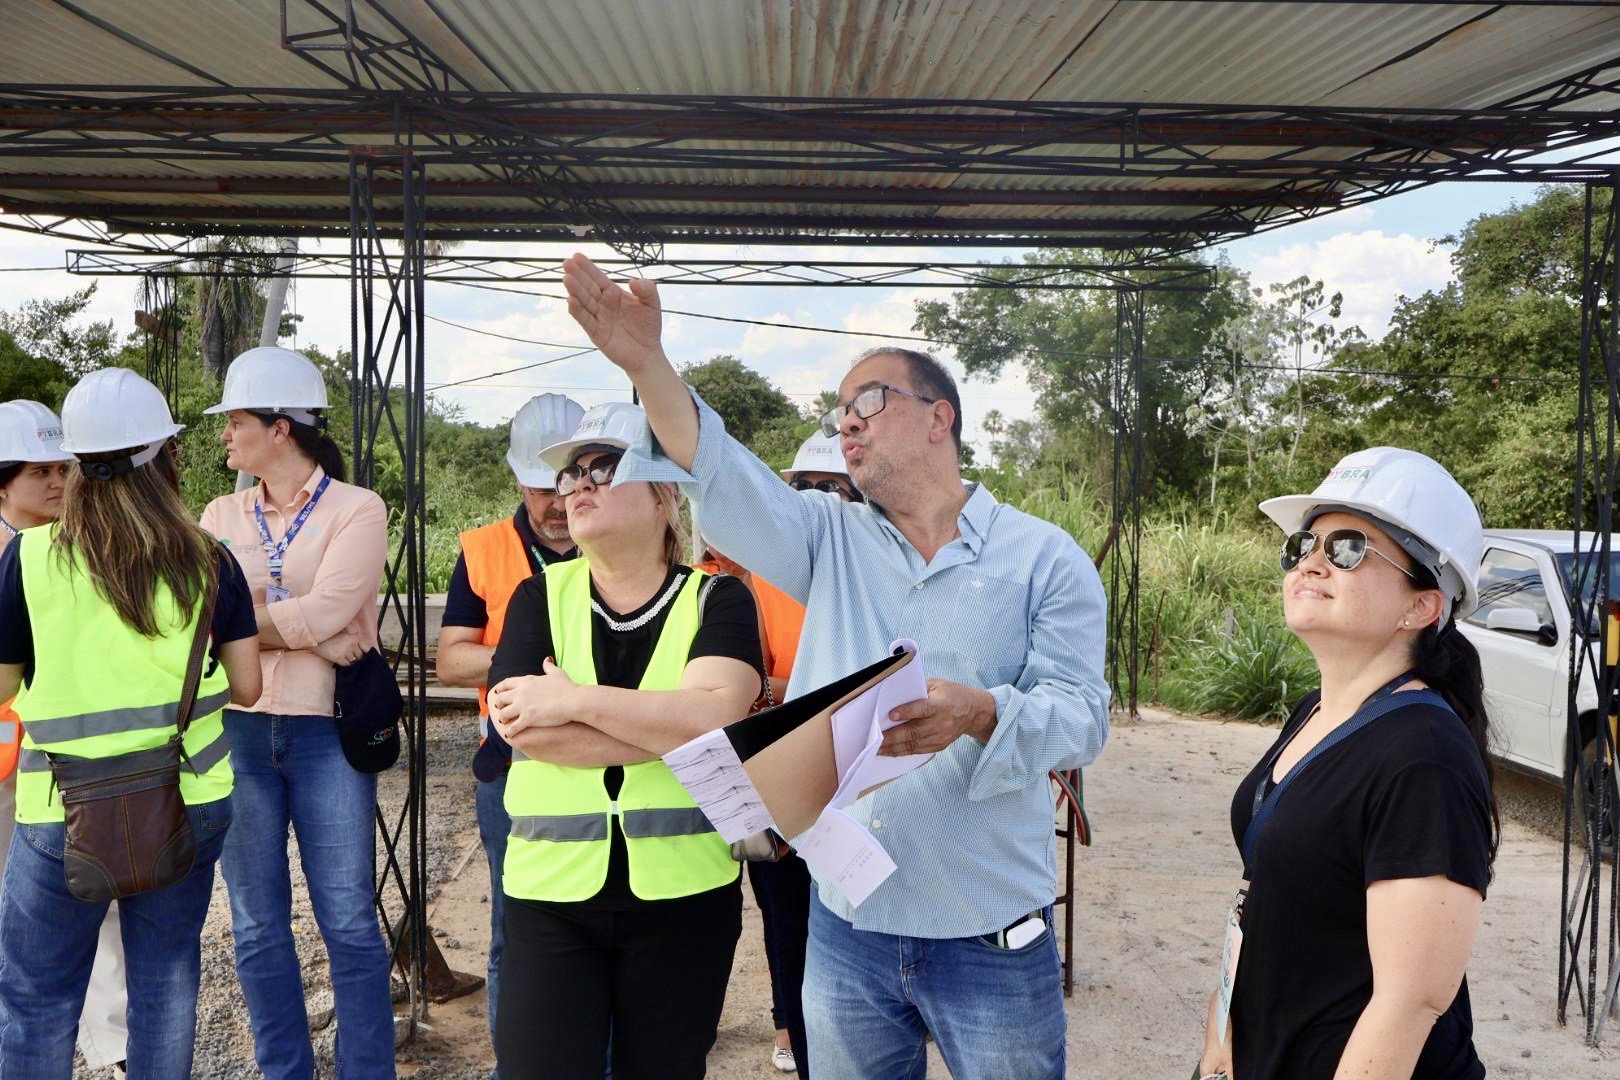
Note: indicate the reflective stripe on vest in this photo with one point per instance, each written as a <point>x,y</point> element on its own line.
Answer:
<point>496,566</point>
<point>100,688</point>
<point>561,837</point>
<point>201,760</point>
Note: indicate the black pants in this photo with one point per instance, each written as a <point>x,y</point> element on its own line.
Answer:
<point>782,890</point>
<point>655,975</point>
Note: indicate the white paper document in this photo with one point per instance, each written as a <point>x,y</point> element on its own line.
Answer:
<point>858,728</point>
<point>812,765</point>
<point>841,851</point>
<point>710,771</point>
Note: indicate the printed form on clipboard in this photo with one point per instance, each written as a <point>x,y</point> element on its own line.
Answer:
<point>797,767</point>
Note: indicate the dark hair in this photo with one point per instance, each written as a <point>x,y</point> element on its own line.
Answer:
<point>103,519</point>
<point>10,471</point>
<point>928,378</point>
<point>1449,664</point>
<point>313,441</point>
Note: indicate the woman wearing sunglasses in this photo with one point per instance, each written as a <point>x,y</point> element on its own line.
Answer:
<point>622,903</point>
<point>1368,830</point>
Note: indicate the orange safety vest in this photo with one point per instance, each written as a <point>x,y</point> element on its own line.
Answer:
<point>10,739</point>
<point>496,566</point>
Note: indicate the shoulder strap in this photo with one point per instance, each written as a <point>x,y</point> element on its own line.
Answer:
<point>1366,715</point>
<point>199,645</point>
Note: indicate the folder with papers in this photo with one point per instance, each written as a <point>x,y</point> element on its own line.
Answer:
<point>797,766</point>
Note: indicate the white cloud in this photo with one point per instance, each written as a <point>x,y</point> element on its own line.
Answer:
<point>1371,269</point>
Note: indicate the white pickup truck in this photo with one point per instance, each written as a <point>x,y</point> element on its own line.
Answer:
<point>1522,630</point>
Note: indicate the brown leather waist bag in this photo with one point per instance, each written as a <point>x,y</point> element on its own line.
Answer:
<point>127,828</point>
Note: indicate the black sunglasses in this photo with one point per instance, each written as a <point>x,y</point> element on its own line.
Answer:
<point>601,471</point>
<point>831,487</point>
<point>1344,549</point>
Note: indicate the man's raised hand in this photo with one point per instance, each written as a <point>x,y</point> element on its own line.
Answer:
<point>625,324</point>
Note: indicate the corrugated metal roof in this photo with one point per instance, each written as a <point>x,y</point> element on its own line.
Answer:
<point>955,53</point>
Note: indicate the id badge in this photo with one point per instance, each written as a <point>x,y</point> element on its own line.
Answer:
<point>1230,951</point>
<point>274,594</point>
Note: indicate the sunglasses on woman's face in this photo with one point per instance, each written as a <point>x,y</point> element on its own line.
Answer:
<point>831,487</point>
<point>600,470</point>
<point>1344,549</point>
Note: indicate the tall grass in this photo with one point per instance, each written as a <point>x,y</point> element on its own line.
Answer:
<point>1211,631</point>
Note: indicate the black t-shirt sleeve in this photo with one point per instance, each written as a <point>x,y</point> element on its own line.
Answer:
<point>526,634</point>
<point>462,606</point>
<point>16,635</point>
<point>1431,818</point>
<point>730,625</point>
<point>233,610</point>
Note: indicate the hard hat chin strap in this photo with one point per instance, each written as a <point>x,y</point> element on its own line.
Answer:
<point>107,469</point>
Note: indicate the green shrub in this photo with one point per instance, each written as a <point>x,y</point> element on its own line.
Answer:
<point>1259,671</point>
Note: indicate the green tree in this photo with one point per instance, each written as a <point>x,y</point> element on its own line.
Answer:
<point>1065,339</point>
<point>1493,358</point>
<point>26,376</point>
<point>52,330</point>
<point>744,398</point>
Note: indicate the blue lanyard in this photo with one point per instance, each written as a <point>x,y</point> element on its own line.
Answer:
<point>274,552</point>
<point>8,526</point>
<point>1380,704</point>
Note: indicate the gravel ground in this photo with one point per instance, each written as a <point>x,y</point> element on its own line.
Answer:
<point>1153,892</point>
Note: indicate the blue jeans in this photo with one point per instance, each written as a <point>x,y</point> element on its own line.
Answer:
<point>494,825</point>
<point>291,770</point>
<point>48,944</point>
<point>869,999</point>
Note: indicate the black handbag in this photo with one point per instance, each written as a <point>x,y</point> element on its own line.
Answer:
<point>367,706</point>
<point>127,830</point>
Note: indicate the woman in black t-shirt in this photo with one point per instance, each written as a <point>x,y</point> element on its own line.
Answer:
<point>622,907</point>
<point>1368,830</point>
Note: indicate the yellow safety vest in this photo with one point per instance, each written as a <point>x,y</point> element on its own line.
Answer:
<point>562,817</point>
<point>100,688</point>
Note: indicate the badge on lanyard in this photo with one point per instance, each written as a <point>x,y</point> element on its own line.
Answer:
<point>1229,963</point>
<point>275,552</point>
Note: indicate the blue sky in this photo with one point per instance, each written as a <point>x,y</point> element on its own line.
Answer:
<point>1373,254</point>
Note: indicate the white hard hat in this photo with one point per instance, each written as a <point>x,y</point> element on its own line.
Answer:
<point>615,425</point>
<point>30,432</point>
<point>819,453</point>
<point>116,409</point>
<point>543,420</point>
<point>275,380</point>
<point>1414,499</point>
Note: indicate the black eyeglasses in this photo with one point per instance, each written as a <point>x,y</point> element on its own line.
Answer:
<point>1342,548</point>
<point>866,404</point>
<point>831,487</point>
<point>601,471</point>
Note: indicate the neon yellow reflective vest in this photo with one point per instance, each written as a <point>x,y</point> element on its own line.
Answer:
<point>100,688</point>
<point>562,817</point>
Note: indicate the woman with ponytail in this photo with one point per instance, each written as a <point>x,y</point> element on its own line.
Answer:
<point>312,548</point>
<point>1369,829</point>
<point>99,611</point>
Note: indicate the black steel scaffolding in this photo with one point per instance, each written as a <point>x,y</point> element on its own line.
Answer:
<point>388,373</point>
<point>1589,933</point>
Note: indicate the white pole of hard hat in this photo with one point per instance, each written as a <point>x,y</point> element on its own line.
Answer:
<point>270,330</point>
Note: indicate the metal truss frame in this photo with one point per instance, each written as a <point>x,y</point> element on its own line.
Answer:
<point>1589,931</point>
<point>162,321</point>
<point>1126,370</point>
<point>1290,162</point>
<point>533,270</point>
<point>388,376</point>
<point>394,59</point>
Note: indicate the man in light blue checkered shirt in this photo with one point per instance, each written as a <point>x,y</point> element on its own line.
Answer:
<point>1009,616</point>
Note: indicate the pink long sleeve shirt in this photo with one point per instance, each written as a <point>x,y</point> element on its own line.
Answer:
<point>333,568</point>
